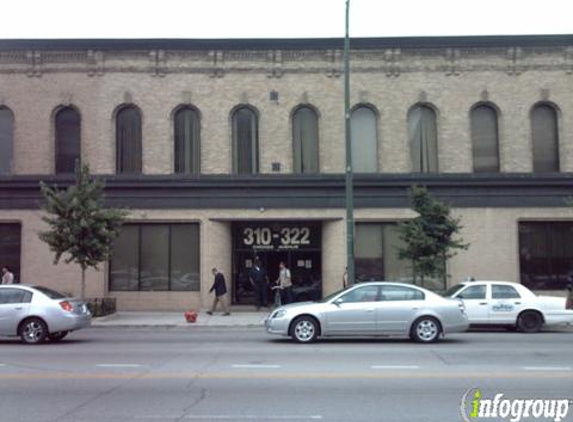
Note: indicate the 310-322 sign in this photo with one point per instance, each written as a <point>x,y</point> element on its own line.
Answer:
<point>286,236</point>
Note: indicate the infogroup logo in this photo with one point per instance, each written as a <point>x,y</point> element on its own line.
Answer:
<point>474,407</point>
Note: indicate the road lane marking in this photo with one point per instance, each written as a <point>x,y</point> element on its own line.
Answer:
<point>547,368</point>
<point>119,365</point>
<point>234,417</point>
<point>395,367</point>
<point>249,375</point>
<point>255,366</point>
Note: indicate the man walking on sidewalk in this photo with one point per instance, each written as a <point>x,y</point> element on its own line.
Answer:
<point>220,293</point>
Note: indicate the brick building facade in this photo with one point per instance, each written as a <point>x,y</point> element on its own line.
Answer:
<point>260,162</point>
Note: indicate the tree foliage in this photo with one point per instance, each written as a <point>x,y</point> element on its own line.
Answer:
<point>429,239</point>
<point>79,225</point>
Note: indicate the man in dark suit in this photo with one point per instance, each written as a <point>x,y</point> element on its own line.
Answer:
<point>260,281</point>
<point>220,289</point>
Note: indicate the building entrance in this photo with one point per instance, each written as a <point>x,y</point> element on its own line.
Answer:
<point>297,244</point>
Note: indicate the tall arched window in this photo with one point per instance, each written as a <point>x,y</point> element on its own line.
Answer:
<point>545,139</point>
<point>68,140</point>
<point>305,140</point>
<point>128,140</point>
<point>364,140</point>
<point>485,139</point>
<point>187,141</point>
<point>6,140</point>
<point>423,136</point>
<point>245,141</point>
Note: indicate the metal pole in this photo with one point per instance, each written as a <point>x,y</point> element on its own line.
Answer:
<point>348,182</point>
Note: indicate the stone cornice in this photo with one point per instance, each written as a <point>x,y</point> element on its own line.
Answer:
<point>452,56</point>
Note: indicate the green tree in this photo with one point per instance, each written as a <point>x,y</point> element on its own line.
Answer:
<point>429,239</point>
<point>80,226</point>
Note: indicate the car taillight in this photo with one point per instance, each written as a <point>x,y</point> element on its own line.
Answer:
<point>67,306</point>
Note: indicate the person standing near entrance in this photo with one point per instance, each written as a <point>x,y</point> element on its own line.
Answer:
<point>7,276</point>
<point>260,281</point>
<point>220,289</point>
<point>285,284</point>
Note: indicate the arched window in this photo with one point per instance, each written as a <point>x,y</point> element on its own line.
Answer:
<point>245,141</point>
<point>6,140</point>
<point>187,142</point>
<point>545,139</point>
<point>423,136</point>
<point>305,140</point>
<point>364,140</point>
<point>68,140</point>
<point>128,140</point>
<point>485,139</point>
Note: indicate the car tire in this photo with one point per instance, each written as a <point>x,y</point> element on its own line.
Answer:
<point>304,329</point>
<point>425,330</point>
<point>33,331</point>
<point>529,322</point>
<point>58,336</point>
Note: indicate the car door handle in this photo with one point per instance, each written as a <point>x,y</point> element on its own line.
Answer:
<point>415,308</point>
<point>369,310</point>
<point>517,303</point>
<point>483,303</point>
<point>18,308</point>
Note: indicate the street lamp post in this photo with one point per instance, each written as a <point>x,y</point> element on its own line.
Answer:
<point>348,181</point>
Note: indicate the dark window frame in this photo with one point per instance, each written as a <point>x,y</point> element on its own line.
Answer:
<point>129,140</point>
<point>305,147</point>
<point>68,127</point>
<point>7,135</point>
<point>242,165</point>
<point>170,226</point>
<point>485,137</point>
<point>541,145</point>
<point>187,140</point>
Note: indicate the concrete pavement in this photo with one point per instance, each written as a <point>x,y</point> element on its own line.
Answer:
<point>177,319</point>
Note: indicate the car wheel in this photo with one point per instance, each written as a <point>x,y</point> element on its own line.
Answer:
<point>33,331</point>
<point>304,329</point>
<point>425,330</point>
<point>58,336</point>
<point>529,322</point>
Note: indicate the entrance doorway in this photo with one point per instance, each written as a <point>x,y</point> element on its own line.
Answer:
<point>295,244</point>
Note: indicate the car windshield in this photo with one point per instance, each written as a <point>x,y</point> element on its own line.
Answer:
<point>453,290</point>
<point>332,295</point>
<point>52,294</point>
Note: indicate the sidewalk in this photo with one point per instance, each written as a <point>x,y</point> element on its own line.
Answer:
<point>176,319</point>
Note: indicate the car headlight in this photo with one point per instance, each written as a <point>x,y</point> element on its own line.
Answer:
<point>279,313</point>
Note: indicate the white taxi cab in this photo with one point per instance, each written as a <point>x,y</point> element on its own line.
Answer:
<point>511,304</point>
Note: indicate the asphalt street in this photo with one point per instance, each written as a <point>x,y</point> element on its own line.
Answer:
<point>243,374</point>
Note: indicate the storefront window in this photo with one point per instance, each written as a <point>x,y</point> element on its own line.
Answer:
<point>546,254</point>
<point>376,253</point>
<point>156,257</point>
<point>10,242</point>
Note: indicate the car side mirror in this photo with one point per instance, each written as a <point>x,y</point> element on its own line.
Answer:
<point>338,301</point>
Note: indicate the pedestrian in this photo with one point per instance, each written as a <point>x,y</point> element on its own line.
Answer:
<point>260,281</point>
<point>284,284</point>
<point>7,276</point>
<point>220,288</point>
<point>345,278</point>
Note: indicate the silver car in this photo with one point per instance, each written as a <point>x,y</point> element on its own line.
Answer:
<point>38,313</point>
<point>371,309</point>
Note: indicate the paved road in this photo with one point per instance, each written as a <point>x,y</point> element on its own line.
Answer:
<point>206,374</point>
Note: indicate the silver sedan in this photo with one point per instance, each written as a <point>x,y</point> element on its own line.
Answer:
<point>371,309</point>
<point>38,313</point>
